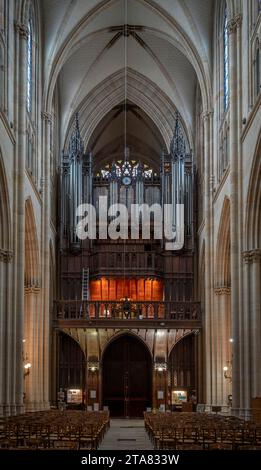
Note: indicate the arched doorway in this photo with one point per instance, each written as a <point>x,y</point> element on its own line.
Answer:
<point>182,371</point>
<point>72,372</point>
<point>127,377</point>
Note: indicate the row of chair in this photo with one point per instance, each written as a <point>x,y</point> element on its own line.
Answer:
<point>202,431</point>
<point>54,429</point>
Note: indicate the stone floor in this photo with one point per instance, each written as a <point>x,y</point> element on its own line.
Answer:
<point>126,434</point>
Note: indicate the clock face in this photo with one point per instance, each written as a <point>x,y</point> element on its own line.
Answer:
<point>126,180</point>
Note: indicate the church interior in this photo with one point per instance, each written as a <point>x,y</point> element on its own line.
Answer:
<point>108,105</point>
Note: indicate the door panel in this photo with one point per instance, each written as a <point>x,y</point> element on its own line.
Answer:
<point>127,377</point>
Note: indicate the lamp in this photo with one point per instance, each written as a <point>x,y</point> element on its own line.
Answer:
<point>27,368</point>
<point>228,371</point>
<point>27,364</point>
<point>93,366</point>
<point>160,366</point>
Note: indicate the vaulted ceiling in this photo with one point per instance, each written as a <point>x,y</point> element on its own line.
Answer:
<point>152,53</point>
<point>126,125</point>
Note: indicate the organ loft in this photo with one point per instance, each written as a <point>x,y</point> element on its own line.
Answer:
<point>109,284</point>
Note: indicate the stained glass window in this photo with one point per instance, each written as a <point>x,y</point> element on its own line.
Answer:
<point>258,84</point>
<point>226,62</point>
<point>29,66</point>
<point>123,168</point>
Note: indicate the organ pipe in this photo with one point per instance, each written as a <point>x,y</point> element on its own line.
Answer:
<point>76,185</point>
<point>176,178</point>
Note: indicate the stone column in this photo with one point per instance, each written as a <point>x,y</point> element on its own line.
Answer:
<point>160,384</point>
<point>207,353</point>
<point>47,121</point>
<point>19,220</point>
<point>54,367</point>
<point>93,374</point>
<point>251,380</point>
<point>2,333</point>
<point>222,336</point>
<point>246,340</point>
<point>5,314</point>
<point>31,348</point>
<point>240,221</point>
<point>255,323</point>
<point>233,148</point>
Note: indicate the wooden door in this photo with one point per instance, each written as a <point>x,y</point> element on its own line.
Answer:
<point>127,382</point>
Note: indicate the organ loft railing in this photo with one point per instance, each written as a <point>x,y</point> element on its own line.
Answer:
<point>79,312</point>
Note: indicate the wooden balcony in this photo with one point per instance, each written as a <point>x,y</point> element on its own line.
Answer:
<point>110,314</point>
<point>139,263</point>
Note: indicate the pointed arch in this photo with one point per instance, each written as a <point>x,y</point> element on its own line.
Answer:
<point>32,270</point>
<point>181,40</point>
<point>223,247</point>
<point>201,274</point>
<point>142,92</point>
<point>185,334</point>
<point>253,207</point>
<point>5,214</point>
<point>52,290</point>
<point>118,335</point>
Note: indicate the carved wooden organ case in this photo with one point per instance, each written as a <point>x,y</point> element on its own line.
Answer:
<point>126,182</point>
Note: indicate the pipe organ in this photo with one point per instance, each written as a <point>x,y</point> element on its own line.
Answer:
<point>126,181</point>
<point>76,185</point>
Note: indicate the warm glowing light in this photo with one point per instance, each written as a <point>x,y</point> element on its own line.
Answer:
<point>24,340</point>
<point>231,340</point>
<point>160,369</point>
<point>93,369</point>
<point>160,333</point>
<point>225,369</point>
<point>28,365</point>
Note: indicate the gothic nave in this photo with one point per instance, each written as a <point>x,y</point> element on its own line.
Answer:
<point>130,209</point>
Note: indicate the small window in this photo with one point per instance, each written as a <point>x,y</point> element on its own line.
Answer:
<point>257,71</point>
<point>2,77</point>
<point>226,61</point>
<point>29,66</point>
<point>2,15</point>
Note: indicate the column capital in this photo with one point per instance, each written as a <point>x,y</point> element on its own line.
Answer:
<point>47,117</point>
<point>252,256</point>
<point>207,114</point>
<point>21,29</point>
<point>32,289</point>
<point>256,255</point>
<point>234,24</point>
<point>246,257</point>
<point>6,256</point>
<point>222,290</point>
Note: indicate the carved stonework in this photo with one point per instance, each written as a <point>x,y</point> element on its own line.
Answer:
<point>6,256</point>
<point>47,117</point>
<point>207,115</point>
<point>252,256</point>
<point>22,30</point>
<point>256,256</point>
<point>222,290</point>
<point>32,289</point>
<point>234,23</point>
<point>246,257</point>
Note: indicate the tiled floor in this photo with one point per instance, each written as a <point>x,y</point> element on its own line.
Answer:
<point>126,434</point>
